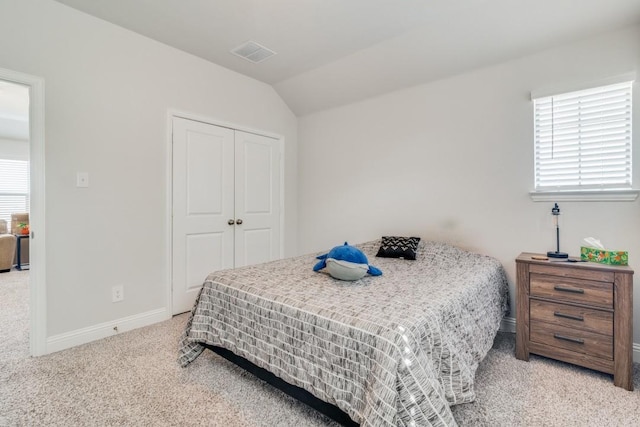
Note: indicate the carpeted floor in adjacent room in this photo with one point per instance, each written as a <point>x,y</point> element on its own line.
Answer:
<point>132,379</point>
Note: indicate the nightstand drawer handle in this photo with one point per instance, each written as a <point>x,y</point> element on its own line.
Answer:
<point>562,337</point>
<point>572,290</point>
<point>568,316</point>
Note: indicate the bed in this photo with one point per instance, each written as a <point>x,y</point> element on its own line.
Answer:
<point>393,350</point>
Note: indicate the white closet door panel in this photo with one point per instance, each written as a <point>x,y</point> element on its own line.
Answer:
<point>203,203</point>
<point>257,198</point>
<point>205,253</point>
<point>206,198</point>
<point>257,178</point>
<point>257,245</point>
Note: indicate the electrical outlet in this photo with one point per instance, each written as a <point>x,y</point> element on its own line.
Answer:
<point>117,293</point>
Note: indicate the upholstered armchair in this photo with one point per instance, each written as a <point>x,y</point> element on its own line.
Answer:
<point>7,247</point>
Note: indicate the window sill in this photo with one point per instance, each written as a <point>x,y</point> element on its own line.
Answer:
<point>585,196</point>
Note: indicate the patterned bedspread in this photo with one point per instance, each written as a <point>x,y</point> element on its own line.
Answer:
<point>393,350</point>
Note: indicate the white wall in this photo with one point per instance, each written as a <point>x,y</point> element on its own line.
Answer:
<point>453,161</point>
<point>107,93</point>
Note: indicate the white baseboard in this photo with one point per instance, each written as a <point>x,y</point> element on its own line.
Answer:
<point>508,324</point>
<point>103,330</point>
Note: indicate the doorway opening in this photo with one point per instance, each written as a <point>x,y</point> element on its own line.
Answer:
<point>22,202</point>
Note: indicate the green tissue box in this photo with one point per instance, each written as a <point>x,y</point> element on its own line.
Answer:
<point>603,256</point>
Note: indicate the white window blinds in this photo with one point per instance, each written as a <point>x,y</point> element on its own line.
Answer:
<point>583,139</point>
<point>14,188</point>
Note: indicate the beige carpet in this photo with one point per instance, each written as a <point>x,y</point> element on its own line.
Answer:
<point>132,379</point>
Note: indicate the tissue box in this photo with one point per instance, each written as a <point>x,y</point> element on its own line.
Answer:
<point>603,256</point>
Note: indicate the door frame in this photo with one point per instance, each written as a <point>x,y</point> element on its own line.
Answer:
<point>171,113</point>
<point>37,247</point>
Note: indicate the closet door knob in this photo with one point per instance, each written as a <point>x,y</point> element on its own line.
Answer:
<point>239,221</point>
<point>230,222</point>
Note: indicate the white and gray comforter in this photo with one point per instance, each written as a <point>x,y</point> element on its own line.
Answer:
<point>393,350</point>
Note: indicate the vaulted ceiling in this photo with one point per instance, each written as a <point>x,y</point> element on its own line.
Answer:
<point>335,52</point>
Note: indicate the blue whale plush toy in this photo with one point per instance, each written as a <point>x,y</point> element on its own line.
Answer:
<point>346,262</point>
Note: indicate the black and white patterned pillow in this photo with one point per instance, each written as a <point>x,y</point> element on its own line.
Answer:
<point>398,247</point>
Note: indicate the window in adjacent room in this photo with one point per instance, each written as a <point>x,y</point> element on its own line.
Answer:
<point>583,140</point>
<point>14,188</point>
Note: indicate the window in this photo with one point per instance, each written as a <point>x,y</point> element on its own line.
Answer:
<point>583,140</point>
<point>14,188</point>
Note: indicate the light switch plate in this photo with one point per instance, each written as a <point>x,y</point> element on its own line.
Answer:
<point>82,179</point>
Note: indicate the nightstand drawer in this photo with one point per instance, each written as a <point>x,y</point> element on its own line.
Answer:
<point>573,270</point>
<point>572,290</point>
<point>587,319</point>
<point>573,339</point>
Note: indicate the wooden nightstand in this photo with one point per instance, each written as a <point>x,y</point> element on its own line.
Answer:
<point>581,313</point>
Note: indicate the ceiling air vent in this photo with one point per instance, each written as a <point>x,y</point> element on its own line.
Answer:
<point>253,52</point>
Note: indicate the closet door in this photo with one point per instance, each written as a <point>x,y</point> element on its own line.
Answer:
<point>203,206</point>
<point>258,204</point>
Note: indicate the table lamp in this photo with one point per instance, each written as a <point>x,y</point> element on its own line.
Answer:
<point>555,212</point>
